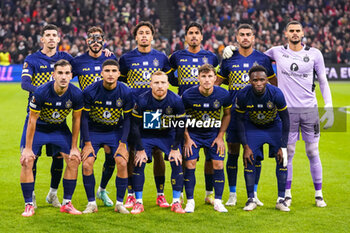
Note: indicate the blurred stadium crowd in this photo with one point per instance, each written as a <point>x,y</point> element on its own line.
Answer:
<point>326,24</point>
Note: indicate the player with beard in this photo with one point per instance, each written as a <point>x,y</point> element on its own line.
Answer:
<point>88,67</point>
<point>136,67</point>
<point>235,71</point>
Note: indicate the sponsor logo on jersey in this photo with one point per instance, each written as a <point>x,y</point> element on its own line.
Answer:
<point>25,65</point>
<point>135,64</point>
<point>86,69</point>
<point>48,103</point>
<point>58,103</point>
<point>56,115</point>
<point>183,60</point>
<point>43,67</point>
<point>108,102</point>
<point>205,105</point>
<point>235,66</point>
<point>246,65</point>
<point>145,63</point>
<point>97,68</point>
<point>195,59</point>
<point>294,67</point>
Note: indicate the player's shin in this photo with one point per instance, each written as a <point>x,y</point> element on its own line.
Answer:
<point>177,179</point>
<point>281,174</point>
<point>138,181</point>
<point>249,176</point>
<point>190,182</point>
<point>219,183</point>
<point>108,169</point>
<point>56,172</point>
<point>231,169</point>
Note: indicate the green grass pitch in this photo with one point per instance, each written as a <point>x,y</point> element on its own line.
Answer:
<point>303,217</point>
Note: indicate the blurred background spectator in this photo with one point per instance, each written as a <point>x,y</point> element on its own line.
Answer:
<point>326,23</point>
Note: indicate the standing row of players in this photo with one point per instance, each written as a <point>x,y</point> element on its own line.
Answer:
<point>137,67</point>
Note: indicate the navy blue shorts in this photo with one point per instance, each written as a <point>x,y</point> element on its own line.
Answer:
<point>60,140</point>
<point>257,137</point>
<point>203,141</point>
<point>49,148</point>
<point>164,144</point>
<point>110,139</point>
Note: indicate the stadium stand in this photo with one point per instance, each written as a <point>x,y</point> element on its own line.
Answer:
<point>326,23</point>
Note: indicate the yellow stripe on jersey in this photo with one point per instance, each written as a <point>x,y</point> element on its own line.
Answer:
<point>240,111</point>
<point>135,115</point>
<point>127,111</point>
<point>26,75</point>
<point>228,107</point>
<point>271,76</point>
<point>169,71</point>
<point>282,109</point>
<point>34,110</point>
<point>86,109</point>
<point>122,75</point>
<point>222,77</point>
<point>78,110</point>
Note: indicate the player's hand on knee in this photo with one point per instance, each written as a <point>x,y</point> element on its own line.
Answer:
<point>87,150</point>
<point>228,51</point>
<point>26,155</point>
<point>188,147</point>
<point>176,156</point>
<point>140,157</point>
<point>329,116</point>
<point>123,151</point>
<point>248,156</point>
<point>219,141</point>
<point>74,152</point>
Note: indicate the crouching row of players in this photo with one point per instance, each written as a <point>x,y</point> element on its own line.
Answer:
<point>110,117</point>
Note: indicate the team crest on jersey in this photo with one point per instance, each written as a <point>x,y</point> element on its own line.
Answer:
<point>269,105</point>
<point>168,110</point>
<point>306,58</point>
<point>119,103</point>
<point>155,62</point>
<point>68,104</point>
<point>205,60</point>
<point>216,104</point>
<point>25,65</point>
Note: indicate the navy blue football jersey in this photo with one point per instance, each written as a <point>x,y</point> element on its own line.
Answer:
<point>88,69</point>
<point>53,108</point>
<point>39,67</point>
<point>206,108</point>
<point>187,64</point>
<point>261,110</point>
<point>154,111</point>
<point>137,68</point>
<point>236,68</point>
<point>107,107</point>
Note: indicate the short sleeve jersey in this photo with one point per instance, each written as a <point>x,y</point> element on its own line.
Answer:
<point>236,68</point>
<point>106,107</point>
<point>261,110</point>
<point>88,69</point>
<point>137,68</point>
<point>53,108</point>
<point>187,64</point>
<point>206,108</point>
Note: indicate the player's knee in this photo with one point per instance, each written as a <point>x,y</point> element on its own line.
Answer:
<point>87,167</point>
<point>233,148</point>
<point>311,149</point>
<point>218,164</point>
<point>191,164</point>
<point>107,149</point>
<point>28,163</point>
<point>291,150</point>
<point>121,163</point>
<point>73,163</point>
